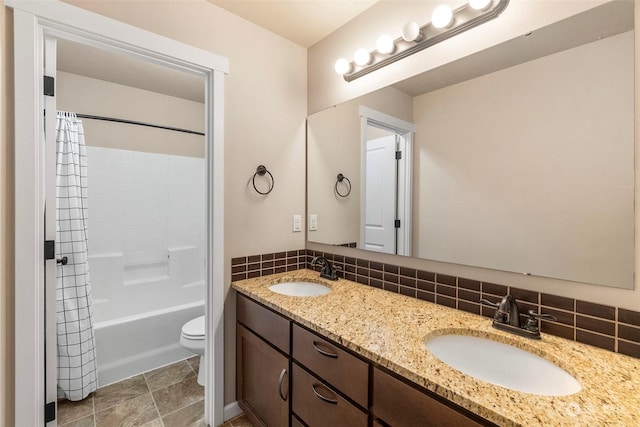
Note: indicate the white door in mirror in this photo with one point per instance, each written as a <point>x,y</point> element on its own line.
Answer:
<point>381,195</point>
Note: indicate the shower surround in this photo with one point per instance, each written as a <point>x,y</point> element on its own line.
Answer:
<point>147,251</point>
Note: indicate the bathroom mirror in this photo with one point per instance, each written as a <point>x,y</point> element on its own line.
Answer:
<point>518,158</point>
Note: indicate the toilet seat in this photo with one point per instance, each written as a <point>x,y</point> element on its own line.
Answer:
<point>194,329</point>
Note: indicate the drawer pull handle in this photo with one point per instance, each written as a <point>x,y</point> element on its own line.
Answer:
<point>322,352</point>
<point>321,397</point>
<point>282,374</point>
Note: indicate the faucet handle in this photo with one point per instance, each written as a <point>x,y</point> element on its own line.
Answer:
<point>489,303</point>
<point>532,321</point>
<point>499,316</point>
<point>543,316</point>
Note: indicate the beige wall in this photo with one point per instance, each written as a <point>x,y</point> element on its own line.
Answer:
<point>265,111</point>
<point>86,95</point>
<point>333,144</point>
<point>326,88</point>
<point>6,217</point>
<point>530,169</point>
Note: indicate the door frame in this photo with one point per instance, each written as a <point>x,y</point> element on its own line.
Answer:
<point>33,21</point>
<point>405,129</point>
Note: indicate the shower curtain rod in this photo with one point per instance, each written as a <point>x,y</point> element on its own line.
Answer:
<point>133,122</point>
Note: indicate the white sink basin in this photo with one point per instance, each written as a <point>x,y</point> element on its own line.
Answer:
<point>502,365</point>
<point>300,289</point>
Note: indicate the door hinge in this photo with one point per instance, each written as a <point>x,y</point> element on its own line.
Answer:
<point>49,86</point>
<point>398,155</point>
<point>49,412</point>
<point>396,223</point>
<point>49,249</point>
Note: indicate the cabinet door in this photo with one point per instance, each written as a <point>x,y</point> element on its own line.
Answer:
<point>398,404</point>
<point>262,381</point>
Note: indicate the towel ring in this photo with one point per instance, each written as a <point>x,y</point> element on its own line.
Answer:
<point>342,178</point>
<point>261,170</point>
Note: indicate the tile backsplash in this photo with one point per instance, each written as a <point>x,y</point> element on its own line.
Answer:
<point>248,267</point>
<point>611,328</point>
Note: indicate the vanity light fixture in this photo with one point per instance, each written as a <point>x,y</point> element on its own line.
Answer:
<point>342,66</point>
<point>445,23</point>
<point>442,16</point>
<point>479,4</point>
<point>362,57</point>
<point>411,32</point>
<point>385,44</point>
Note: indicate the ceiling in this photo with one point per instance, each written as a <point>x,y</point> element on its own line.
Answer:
<point>304,22</point>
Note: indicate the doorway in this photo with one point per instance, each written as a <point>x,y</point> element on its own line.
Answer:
<point>36,28</point>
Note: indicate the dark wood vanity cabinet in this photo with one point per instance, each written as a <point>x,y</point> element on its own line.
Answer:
<point>325,380</point>
<point>287,376</point>
<point>262,380</point>
<point>319,405</point>
<point>262,364</point>
<point>344,371</point>
<point>398,404</point>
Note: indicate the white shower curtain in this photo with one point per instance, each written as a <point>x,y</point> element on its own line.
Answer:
<point>77,376</point>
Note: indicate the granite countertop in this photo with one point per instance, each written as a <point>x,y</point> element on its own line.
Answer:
<point>390,330</point>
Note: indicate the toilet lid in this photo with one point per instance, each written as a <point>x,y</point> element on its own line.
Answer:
<point>194,329</point>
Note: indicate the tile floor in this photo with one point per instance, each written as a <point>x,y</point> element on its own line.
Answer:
<point>165,397</point>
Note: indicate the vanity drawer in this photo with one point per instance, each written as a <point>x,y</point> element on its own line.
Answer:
<point>318,405</point>
<point>264,322</point>
<point>342,370</point>
<point>398,404</point>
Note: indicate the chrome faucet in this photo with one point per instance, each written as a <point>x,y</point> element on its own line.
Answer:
<point>329,270</point>
<point>507,318</point>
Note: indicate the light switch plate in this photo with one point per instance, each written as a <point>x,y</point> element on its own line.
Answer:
<point>297,223</point>
<point>313,222</point>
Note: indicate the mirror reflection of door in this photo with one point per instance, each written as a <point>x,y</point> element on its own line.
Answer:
<point>381,195</point>
<point>386,193</point>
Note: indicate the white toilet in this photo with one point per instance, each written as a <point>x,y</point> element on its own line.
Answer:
<point>192,338</point>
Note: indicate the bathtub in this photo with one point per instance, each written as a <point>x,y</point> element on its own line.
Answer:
<point>134,344</point>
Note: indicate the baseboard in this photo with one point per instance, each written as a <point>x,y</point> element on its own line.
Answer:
<point>231,410</point>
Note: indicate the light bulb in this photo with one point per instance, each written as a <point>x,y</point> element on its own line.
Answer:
<point>442,16</point>
<point>342,66</point>
<point>411,32</point>
<point>479,4</point>
<point>362,57</point>
<point>385,44</point>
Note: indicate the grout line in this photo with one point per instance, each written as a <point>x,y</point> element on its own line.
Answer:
<point>596,333</point>
<point>628,341</point>
<point>155,405</point>
<point>186,406</point>
<point>191,366</point>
